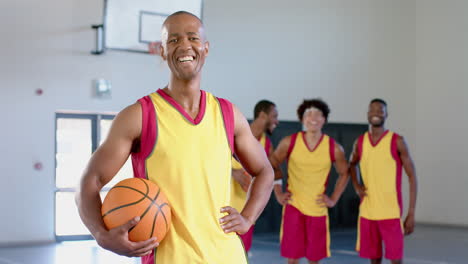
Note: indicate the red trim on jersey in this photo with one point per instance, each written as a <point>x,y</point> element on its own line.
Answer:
<point>148,259</point>
<point>267,146</point>
<point>332,149</point>
<point>332,158</point>
<point>147,138</point>
<point>359,146</point>
<point>326,181</point>
<point>291,144</point>
<point>307,145</point>
<point>396,157</point>
<point>228,117</point>
<point>178,107</point>
<point>378,141</point>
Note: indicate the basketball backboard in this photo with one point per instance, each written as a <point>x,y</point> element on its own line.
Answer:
<point>132,25</point>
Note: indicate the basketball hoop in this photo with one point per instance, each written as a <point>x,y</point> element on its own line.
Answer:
<point>154,48</point>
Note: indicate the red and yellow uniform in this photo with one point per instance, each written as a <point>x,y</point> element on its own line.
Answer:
<point>239,196</point>
<point>380,210</point>
<point>308,172</point>
<point>190,160</point>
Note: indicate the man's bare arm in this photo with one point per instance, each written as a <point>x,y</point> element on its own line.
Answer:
<point>242,178</point>
<point>102,167</point>
<point>341,166</point>
<point>410,170</point>
<point>253,157</point>
<point>276,159</point>
<point>354,171</point>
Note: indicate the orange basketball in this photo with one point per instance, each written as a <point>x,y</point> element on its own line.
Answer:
<point>137,197</point>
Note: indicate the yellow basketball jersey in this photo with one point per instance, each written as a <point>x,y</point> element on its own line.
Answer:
<point>308,171</point>
<point>238,195</point>
<point>191,162</point>
<point>380,167</point>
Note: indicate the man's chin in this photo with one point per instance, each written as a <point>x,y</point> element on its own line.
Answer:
<point>186,76</point>
<point>377,125</point>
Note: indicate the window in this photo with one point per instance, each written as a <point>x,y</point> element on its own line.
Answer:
<point>77,137</point>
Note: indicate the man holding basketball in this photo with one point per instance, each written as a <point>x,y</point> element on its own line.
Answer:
<point>182,138</point>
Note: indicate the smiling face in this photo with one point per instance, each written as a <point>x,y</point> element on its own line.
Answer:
<point>377,114</point>
<point>271,120</point>
<point>313,120</point>
<point>184,45</point>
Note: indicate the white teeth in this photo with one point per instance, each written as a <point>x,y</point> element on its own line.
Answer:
<point>186,58</point>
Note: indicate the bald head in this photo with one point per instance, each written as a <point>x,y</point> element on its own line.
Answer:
<point>178,13</point>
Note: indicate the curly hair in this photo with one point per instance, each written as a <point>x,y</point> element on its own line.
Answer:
<point>316,103</point>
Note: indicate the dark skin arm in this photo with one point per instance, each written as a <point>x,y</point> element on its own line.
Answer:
<point>410,170</point>
<point>341,166</point>
<point>253,158</point>
<point>276,159</point>
<point>270,152</point>
<point>242,178</point>
<point>102,167</point>
<point>354,172</point>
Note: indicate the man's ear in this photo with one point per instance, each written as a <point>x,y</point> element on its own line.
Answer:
<point>207,47</point>
<point>162,52</point>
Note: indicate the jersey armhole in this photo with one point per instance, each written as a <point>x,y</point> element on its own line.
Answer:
<point>148,137</point>
<point>267,146</point>
<point>228,117</point>
<point>292,143</point>
<point>332,150</point>
<point>394,147</point>
<point>359,146</point>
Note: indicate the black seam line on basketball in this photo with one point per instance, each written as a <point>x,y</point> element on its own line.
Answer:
<point>156,216</point>
<point>147,208</point>
<point>126,205</point>
<point>154,222</point>
<point>164,215</point>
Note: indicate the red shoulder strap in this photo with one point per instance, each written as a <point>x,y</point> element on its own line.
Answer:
<point>359,145</point>
<point>147,138</point>
<point>292,143</point>
<point>228,117</point>
<point>267,145</point>
<point>332,149</point>
<point>394,147</point>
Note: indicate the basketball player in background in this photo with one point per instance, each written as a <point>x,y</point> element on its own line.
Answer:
<point>310,155</point>
<point>265,121</point>
<point>381,154</point>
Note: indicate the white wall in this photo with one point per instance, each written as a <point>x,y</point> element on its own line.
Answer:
<point>345,52</point>
<point>441,110</point>
<point>47,44</point>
